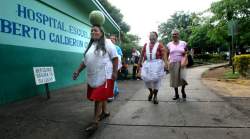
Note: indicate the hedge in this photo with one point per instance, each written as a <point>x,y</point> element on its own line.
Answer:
<point>210,57</point>
<point>242,64</point>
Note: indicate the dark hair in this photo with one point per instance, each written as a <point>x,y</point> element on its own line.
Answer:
<point>100,42</point>
<point>113,35</point>
<point>155,33</point>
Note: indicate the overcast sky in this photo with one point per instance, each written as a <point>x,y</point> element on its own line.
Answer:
<point>145,15</point>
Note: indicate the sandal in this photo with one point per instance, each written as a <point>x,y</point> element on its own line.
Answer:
<point>92,128</point>
<point>104,115</point>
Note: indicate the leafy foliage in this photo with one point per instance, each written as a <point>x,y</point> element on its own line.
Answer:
<point>127,40</point>
<point>179,20</point>
<point>242,63</point>
<point>210,34</point>
<point>116,14</point>
<point>238,10</point>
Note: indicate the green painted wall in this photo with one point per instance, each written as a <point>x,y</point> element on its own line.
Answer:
<point>37,33</point>
<point>16,72</point>
<point>78,8</point>
<point>20,51</point>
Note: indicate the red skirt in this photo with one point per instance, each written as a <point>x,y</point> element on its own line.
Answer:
<point>101,93</point>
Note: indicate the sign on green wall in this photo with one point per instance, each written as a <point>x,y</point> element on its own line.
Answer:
<point>32,24</point>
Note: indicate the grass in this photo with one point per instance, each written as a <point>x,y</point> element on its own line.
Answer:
<point>229,75</point>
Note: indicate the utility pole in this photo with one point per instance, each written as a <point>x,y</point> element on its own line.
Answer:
<point>232,31</point>
<point>229,18</point>
<point>233,50</point>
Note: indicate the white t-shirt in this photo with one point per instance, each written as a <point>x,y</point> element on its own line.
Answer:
<point>99,66</point>
<point>136,53</point>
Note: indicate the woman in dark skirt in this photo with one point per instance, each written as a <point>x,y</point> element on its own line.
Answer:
<point>177,55</point>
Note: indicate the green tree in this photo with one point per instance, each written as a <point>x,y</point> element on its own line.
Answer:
<point>127,40</point>
<point>211,33</point>
<point>239,10</point>
<point>116,14</point>
<point>199,38</point>
<point>178,20</point>
<point>208,37</point>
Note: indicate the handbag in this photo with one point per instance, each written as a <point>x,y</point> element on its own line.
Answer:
<point>190,61</point>
<point>187,61</point>
<point>184,61</point>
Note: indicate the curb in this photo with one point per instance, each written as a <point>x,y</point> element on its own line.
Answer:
<point>212,68</point>
<point>224,65</point>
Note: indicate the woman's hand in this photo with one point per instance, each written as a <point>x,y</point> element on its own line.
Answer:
<point>77,72</point>
<point>114,75</point>
<point>139,65</point>
<point>184,61</point>
<point>166,67</point>
<point>75,75</point>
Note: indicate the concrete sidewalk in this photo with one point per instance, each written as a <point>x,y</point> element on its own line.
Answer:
<point>203,116</point>
<point>64,116</point>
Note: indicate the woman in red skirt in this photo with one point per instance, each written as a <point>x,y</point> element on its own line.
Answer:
<point>101,61</point>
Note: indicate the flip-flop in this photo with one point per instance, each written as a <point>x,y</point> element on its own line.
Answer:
<point>91,128</point>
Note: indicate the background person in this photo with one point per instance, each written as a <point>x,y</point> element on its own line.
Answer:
<point>134,60</point>
<point>119,52</point>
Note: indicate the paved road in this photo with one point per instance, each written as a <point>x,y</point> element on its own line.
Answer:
<point>203,116</point>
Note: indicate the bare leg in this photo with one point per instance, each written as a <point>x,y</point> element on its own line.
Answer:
<point>104,112</point>
<point>98,111</point>
<point>95,110</point>
<point>104,107</point>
